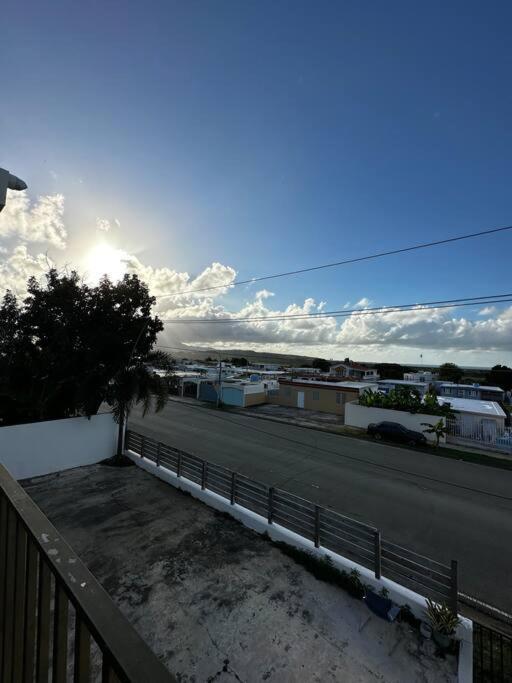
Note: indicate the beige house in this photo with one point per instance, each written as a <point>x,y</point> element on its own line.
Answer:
<point>310,394</point>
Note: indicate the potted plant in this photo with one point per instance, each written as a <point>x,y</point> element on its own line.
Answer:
<point>443,622</point>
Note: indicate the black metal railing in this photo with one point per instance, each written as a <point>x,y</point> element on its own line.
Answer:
<point>492,655</point>
<point>348,537</point>
<point>55,618</point>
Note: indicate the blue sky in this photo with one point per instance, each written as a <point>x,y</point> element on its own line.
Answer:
<point>268,136</point>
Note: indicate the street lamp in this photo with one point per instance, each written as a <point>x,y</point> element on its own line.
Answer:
<point>8,181</point>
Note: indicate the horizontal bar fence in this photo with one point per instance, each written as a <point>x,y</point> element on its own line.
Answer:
<point>56,621</point>
<point>324,527</point>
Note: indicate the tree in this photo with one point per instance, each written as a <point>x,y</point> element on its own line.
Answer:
<point>322,364</point>
<point>134,384</point>
<point>449,372</point>
<point>239,362</point>
<point>438,428</point>
<point>63,346</point>
<point>500,376</point>
<point>390,370</point>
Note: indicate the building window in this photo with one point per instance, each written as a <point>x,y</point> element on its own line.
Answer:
<point>340,398</point>
<point>316,396</point>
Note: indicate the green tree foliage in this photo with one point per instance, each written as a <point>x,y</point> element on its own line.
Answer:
<point>449,372</point>
<point>437,428</point>
<point>406,399</point>
<point>391,370</point>
<point>322,364</point>
<point>500,376</point>
<point>239,362</point>
<point>66,343</point>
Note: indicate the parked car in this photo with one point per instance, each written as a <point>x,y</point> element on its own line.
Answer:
<point>393,431</point>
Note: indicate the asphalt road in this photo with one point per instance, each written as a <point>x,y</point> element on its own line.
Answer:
<point>442,508</point>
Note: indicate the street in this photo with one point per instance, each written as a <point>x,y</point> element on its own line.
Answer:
<point>444,509</point>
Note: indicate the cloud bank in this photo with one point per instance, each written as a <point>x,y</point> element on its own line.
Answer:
<point>389,336</point>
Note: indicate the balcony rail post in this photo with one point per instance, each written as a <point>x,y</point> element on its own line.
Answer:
<point>203,475</point>
<point>143,443</point>
<point>377,549</point>
<point>317,526</point>
<point>158,454</point>
<point>270,504</point>
<point>233,488</point>
<point>178,466</point>
<point>455,585</point>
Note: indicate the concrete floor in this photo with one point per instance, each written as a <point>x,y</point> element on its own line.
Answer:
<point>215,601</point>
<point>444,509</point>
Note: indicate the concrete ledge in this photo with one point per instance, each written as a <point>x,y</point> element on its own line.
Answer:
<point>397,593</point>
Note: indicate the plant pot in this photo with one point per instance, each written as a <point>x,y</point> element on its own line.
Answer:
<point>441,639</point>
<point>426,630</point>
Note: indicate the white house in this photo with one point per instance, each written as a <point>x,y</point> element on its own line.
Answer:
<point>354,371</point>
<point>424,376</point>
<point>475,420</point>
<point>385,385</point>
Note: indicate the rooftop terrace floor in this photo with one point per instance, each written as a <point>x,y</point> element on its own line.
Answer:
<point>214,600</point>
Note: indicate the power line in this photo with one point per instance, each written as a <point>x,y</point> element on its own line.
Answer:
<point>447,303</point>
<point>335,264</point>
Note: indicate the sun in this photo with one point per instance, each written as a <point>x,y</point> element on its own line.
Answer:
<point>104,259</point>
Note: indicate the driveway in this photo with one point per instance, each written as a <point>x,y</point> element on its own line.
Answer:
<point>445,509</point>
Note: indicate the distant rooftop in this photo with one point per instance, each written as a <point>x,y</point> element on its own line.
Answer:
<point>469,405</point>
<point>405,382</point>
<point>471,386</point>
<point>336,385</point>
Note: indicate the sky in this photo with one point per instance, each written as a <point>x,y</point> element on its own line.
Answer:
<point>196,143</point>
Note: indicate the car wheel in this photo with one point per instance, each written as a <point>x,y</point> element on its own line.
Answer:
<point>377,436</point>
<point>411,442</point>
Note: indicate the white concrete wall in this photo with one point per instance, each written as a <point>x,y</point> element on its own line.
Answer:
<point>361,416</point>
<point>30,450</point>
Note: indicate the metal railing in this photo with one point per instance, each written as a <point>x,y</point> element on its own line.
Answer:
<point>492,655</point>
<point>55,618</point>
<point>323,527</point>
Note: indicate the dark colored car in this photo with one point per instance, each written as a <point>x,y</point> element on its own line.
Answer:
<point>392,431</point>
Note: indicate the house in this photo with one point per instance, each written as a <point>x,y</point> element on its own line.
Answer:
<point>476,420</point>
<point>471,391</point>
<point>355,371</point>
<point>385,385</point>
<point>424,376</point>
<point>271,367</point>
<point>304,371</point>
<point>244,393</point>
<point>312,394</point>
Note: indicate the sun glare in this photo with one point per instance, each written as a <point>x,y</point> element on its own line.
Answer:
<point>103,259</point>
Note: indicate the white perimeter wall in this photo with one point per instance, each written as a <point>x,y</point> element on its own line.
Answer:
<point>30,450</point>
<point>360,416</point>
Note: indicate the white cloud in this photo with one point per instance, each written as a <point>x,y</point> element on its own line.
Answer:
<point>18,267</point>
<point>40,222</point>
<point>103,224</point>
<point>393,336</point>
<point>264,294</point>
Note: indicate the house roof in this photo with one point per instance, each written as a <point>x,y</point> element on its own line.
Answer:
<point>312,383</point>
<point>469,405</point>
<point>471,386</point>
<point>404,382</point>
